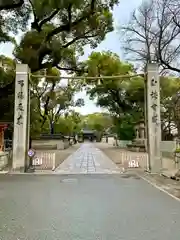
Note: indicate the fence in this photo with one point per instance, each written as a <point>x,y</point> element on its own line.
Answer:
<point>167,150</point>
<point>45,160</point>
<point>166,146</point>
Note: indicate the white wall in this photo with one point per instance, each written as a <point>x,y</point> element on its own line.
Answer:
<point>124,143</point>
<point>168,146</point>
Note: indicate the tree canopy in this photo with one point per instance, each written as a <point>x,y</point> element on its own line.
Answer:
<point>124,97</point>
<point>54,36</point>
<point>60,29</point>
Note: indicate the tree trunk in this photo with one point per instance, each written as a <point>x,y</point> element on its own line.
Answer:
<point>30,142</point>
<point>178,129</point>
<point>51,127</point>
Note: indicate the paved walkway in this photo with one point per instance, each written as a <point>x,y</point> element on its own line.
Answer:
<point>87,160</point>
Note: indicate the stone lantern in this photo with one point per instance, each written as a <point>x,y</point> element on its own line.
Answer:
<point>140,130</point>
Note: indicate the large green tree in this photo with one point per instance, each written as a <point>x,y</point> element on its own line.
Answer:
<point>124,97</point>
<point>12,19</point>
<point>49,100</point>
<point>7,76</point>
<point>110,93</point>
<point>52,99</point>
<point>115,94</point>
<point>100,122</point>
<point>60,30</point>
<point>69,124</point>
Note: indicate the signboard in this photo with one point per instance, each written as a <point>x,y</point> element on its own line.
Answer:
<point>37,161</point>
<point>31,153</point>
<point>133,164</point>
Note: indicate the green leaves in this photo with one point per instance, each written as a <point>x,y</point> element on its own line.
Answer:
<point>11,4</point>
<point>13,21</point>
<point>123,96</point>
<point>7,77</point>
<point>124,128</point>
<point>109,93</point>
<point>61,29</point>
<point>69,125</point>
<point>99,122</point>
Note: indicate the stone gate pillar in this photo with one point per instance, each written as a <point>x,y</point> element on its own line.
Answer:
<point>21,112</point>
<point>153,114</point>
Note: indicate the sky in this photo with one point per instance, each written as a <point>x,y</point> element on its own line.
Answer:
<point>121,15</point>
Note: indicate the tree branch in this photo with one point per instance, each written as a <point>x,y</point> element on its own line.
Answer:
<point>54,63</point>
<point>176,22</point>
<point>47,19</point>
<point>165,63</point>
<point>46,105</point>
<point>71,69</point>
<point>68,26</point>
<point>11,5</point>
<point>34,24</point>
<point>78,38</point>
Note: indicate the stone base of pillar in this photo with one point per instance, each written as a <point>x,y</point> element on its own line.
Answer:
<point>156,165</point>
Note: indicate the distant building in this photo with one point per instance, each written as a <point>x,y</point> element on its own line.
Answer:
<point>87,135</point>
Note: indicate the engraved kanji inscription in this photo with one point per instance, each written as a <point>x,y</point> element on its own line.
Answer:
<point>20,95</point>
<point>21,82</point>
<point>154,95</point>
<point>20,107</point>
<point>153,82</point>
<point>19,119</point>
<point>154,106</point>
<point>155,118</point>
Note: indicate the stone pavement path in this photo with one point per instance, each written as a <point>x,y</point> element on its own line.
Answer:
<point>87,160</point>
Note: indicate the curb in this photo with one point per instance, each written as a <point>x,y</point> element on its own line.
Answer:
<point>3,172</point>
<point>27,174</point>
<point>159,188</point>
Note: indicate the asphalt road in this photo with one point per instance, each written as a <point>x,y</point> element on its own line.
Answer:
<point>85,207</point>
